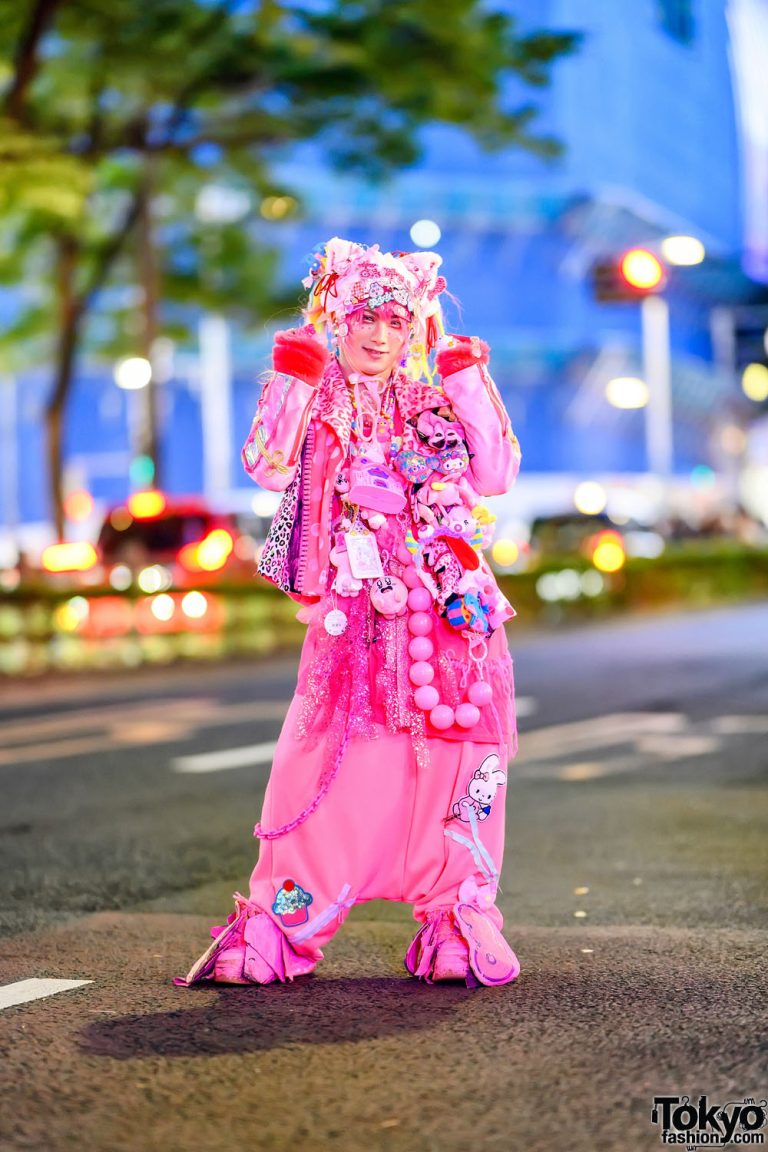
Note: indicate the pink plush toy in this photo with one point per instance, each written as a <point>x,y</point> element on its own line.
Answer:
<point>389,596</point>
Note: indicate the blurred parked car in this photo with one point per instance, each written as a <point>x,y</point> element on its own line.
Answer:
<point>580,534</point>
<point>156,542</point>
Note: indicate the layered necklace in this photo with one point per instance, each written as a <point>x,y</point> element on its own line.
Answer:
<point>374,417</point>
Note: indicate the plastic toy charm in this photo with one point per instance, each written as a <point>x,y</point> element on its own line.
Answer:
<point>374,486</point>
<point>291,903</point>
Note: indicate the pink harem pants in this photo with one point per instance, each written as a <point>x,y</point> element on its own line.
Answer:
<point>380,832</point>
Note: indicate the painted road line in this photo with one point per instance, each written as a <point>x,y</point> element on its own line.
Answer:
<point>126,730</point>
<point>89,720</point>
<point>525,706</point>
<point>193,710</point>
<point>35,989</point>
<point>649,739</point>
<point>740,725</point>
<point>597,732</point>
<point>246,757</point>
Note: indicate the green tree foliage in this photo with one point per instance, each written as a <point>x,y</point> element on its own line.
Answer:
<point>104,108</point>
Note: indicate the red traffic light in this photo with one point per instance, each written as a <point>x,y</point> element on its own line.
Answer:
<point>630,276</point>
<point>641,269</point>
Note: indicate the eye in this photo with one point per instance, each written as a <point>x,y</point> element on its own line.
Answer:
<point>369,318</point>
<point>395,322</point>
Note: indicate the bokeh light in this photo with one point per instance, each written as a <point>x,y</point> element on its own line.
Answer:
<point>702,476</point>
<point>682,250</point>
<point>121,577</point>
<point>194,605</point>
<point>425,233</point>
<point>592,583</point>
<point>563,585</point>
<point>133,373</point>
<point>266,503</point>
<point>70,616</point>
<point>162,606</point>
<point>141,471</point>
<point>733,439</point>
<point>77,556</point>
<point>754,382</point>
<point>641,269</point>
<point>590,498</point>
<point>609,555</point>
<point>155,578</point>
<point>78,505</point>
<point>145,505</point>
<point>214,550</point>
<point>627,392</point>
<point>120,519</point>
<point>277,207</point>
<point>505,553</point>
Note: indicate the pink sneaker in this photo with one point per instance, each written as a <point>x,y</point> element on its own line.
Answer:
<point>451,960</point>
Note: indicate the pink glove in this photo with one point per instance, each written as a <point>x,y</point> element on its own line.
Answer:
<point>454,353</point>
<point>298,352</point>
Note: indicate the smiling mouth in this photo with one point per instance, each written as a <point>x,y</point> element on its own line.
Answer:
<point>374,353</point>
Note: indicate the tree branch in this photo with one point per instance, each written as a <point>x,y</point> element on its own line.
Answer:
<point>25,62</point>
<point>108,254</point>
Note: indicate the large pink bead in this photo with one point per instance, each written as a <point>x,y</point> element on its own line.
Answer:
<point>419,624</point>
<point>419,599</point>
<point>411,578</point>
<point>403,555</point>
<point>420,648</point>
<point>426,697</point>
<point>441,717</point>
<point>421,673</point>
<point>480,693</point>
<point>467,715</point>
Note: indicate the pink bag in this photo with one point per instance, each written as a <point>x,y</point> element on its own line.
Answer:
<point>372,485</point>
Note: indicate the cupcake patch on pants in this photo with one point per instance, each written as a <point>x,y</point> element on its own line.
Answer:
<point>291,904</point>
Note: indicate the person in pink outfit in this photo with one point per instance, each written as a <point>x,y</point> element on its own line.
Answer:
<point>388,780</point>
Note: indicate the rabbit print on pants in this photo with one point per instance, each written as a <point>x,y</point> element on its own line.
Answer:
<point>480,791</point>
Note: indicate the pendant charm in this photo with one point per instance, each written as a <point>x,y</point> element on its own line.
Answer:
<point>389,596</point>
<point>335,622</point>
<point>364,558</point>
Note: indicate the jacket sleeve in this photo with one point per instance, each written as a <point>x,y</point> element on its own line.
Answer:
<point>271,453</point>
<point>478,406</point>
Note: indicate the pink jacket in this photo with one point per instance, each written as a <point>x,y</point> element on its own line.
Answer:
<point>299,440</point>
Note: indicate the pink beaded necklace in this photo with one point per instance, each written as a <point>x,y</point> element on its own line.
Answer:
<point>421,648</point>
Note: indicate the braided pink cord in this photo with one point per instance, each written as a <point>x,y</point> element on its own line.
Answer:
<point>284,829</point>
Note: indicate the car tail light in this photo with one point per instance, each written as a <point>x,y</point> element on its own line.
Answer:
<point>209,554</point>
<point>608,554</point>
<point>146,505</point>
<point>76,556</point>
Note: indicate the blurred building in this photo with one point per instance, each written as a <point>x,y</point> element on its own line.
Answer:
<point>664,118</point>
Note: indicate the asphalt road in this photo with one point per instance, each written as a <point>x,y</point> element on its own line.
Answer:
<point>635,892</point>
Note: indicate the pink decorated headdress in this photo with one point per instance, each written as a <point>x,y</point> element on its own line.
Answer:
<point>346,276</point>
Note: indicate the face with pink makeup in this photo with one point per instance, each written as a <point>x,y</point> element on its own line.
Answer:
<point>375,340</point>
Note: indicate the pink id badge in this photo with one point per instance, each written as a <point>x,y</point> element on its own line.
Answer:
<point>364,558</point>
